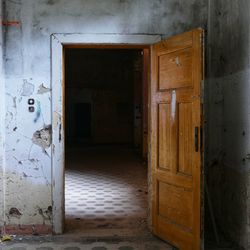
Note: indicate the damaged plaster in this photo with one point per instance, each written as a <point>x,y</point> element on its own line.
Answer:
<point>27,88</point>
<point>20,208</point>
<point>42,90</point>
<point>15,212</point>
<point>43,137</point>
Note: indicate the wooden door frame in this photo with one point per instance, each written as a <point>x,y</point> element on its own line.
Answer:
<point>58,43</point>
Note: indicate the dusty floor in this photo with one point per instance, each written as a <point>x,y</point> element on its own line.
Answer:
<point>106,205</point>
<point>105,189</point>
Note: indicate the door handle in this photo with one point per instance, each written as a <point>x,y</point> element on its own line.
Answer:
<point>196,138</point>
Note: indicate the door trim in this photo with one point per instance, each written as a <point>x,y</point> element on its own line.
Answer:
<point>58,42</point>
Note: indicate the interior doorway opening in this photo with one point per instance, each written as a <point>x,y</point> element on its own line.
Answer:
<point>106,139</point>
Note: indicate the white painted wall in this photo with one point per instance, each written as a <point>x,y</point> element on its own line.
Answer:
<point>27,64</point>
<point>1,120</point>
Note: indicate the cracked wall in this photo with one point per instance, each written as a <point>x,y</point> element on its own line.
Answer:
<point>228,137</point>
<point>27,76</point>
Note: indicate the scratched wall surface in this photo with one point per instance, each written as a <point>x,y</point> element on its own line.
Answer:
<point>27,75</point>
<point>229,117</point>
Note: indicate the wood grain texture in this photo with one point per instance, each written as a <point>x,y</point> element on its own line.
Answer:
<point>175,111</point>
<point>164,131</point>
<point>185,135</point>
<point>175,69</point>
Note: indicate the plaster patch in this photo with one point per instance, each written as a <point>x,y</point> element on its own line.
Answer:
<point>42,89</point>
<point>42,137</point>
<point>27,88</point>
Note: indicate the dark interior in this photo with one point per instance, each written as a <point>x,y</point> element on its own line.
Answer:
<point>103,104</point>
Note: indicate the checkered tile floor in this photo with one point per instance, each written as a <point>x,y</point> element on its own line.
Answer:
<point>105,188</point>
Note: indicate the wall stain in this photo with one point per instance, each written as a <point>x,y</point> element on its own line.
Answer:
<point>38,111</point>
<point>46,214</point>
<point>51,2</point>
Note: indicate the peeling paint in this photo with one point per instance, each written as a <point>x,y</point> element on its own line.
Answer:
<point>45,214</point>
<point>42,137</point>
<point>42,90</point>
<point>15,212</point>
<point>56,119</point>
<point>27,88</point>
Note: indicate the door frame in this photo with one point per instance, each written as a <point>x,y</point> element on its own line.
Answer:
<point>58,43</point>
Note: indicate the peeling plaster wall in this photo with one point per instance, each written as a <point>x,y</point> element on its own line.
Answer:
<point>229,117</point>
<point>1,117</point>
<point>27,73</point>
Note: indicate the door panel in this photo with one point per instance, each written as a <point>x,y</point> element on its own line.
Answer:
<point>176,75</point>
<point>165,132</point>
<point>175,69</point>
<point>173,209</point>
<point>185,137</point>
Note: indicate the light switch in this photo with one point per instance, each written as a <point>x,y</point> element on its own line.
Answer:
<point>31,109</point>
<point>31,101</point>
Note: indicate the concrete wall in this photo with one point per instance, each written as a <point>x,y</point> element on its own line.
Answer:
<point>229,117</point>
<point>27,75</point>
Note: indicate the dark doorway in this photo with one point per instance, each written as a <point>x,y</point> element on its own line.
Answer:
<point>83,120</point>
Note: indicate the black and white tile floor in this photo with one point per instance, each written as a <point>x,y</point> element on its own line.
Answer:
<point>105,189</point>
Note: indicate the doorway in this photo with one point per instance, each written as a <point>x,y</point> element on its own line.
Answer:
<point>58,44</point>
<point>175,91</point>
<point>105,120</point>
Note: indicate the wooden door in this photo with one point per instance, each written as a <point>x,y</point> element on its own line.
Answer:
<point>176,111</point>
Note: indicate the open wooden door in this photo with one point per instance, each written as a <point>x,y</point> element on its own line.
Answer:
<point>176,115</point>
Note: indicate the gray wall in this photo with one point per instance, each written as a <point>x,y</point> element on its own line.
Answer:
<point>228,138</point>
<point>27,75</point>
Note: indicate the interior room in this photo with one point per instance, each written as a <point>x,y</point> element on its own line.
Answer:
<point>147,101</point>
<point>106,171</point>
